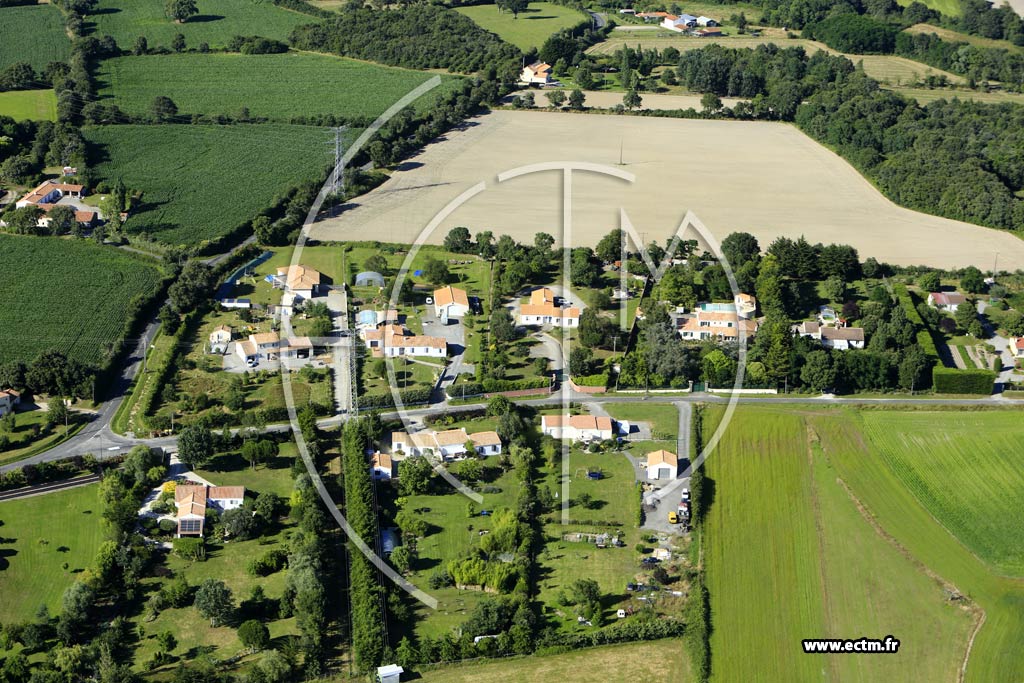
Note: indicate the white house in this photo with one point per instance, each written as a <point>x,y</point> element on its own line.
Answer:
<point>838,338</point>
<point>50,192</point>
<point>220,338</point>
<point>448,445</point>
<point>714,321</point>
<point>383,467</point>
<point>303,282</point>
<point>192,500</point>
<point>538,73</point>
<point>662,465</point>
<point>542,311</point>
<point>391,341</point>
<point>746,305</point>
<point>9,400</point>
<point>577,427</point>
<point>450,302</point>
<point>392,673</point>
<point>680,24</point>
<point>1017,348</point>
<point>946,301</point>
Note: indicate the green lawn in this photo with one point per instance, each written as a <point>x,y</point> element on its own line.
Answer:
<point>190,174</point>
<point>659,660</point>
<point>33,34</point>
<point>82,312</point>
<point>227,563</point>
<point>29,105</point>
<point>532,27</point>
<point>789,554</point>
<point>24,439</point>
<point>950,8</point>
<point>39,535</point>
<point>452,533</point>
<point>217,22</point>
<point>664,417</point>
<point>279,86</point>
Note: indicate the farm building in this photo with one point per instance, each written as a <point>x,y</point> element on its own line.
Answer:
<point>538,73</point>
<point>662,465</point>
<point>706,21</point>
<point>50,192</point>
<point>9,401</point>
<point>383,467</point>
<point>578,427</point>
<point>192,500</point>
<point>391,340</point>
<point>681,24</point>
<point>301,281</point>
<point>219,339</point>
<point>708,32</point>
<point>946,301</point>
<point>543,310</point>
<point>450,302</point>
<point>449,444</point>
<point>369,278</point>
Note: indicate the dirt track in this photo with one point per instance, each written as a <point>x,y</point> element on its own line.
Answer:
<point>765,178</point>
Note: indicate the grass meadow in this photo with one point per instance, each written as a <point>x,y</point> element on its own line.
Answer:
<point>39,535</point>
<point>951,8</point>
<point>789,553</point>
<point>217,22</point>
<point>33,34</point>
<point>190,175</point>
<point>29,105</point>
<point>532,27</point>
<point>70,295</point>
<point>659,660</point>
<point>278,87</point>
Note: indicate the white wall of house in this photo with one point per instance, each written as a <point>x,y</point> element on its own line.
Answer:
<point>661,472</point>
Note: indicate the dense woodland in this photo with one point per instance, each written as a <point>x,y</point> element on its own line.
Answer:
<point>385,37</point>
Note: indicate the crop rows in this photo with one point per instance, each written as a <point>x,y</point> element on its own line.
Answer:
<point>279,87</point>
<point>965,470</point>
<point>33,34</point>
<point>68,295</point>
<point>201,182</point>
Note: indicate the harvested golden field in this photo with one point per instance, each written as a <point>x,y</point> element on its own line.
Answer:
<point>887,68</point>
<point>924,95</point>
<point>606,99</point>
<point>765,178</point>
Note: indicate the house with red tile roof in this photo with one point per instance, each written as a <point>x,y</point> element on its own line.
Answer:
<point>192,500</point>
<point>578,427</point>
<point>543,310</point>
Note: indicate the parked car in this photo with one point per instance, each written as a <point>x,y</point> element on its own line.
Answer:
<point>673,517</point>
<point>650,560</point>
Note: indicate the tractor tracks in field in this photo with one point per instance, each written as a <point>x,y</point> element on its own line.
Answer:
<point>966,604</point>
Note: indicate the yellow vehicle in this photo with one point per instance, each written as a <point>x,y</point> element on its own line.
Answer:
<point>673,517</point>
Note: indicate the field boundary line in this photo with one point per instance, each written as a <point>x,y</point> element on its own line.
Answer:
<point>976,611</point>
<point>826,603</point>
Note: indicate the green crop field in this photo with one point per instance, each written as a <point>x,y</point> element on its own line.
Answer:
<point>192,175</point>
<point>41,534</point>
<point>29,105</point>
<point>69,295</point>
<point>964,468</point>
<point>33,34</point>
<point>997,647</point>
<point>532,27</point>
<point>278,87</point>
<point>217,22</point>
<point>789,556</point>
